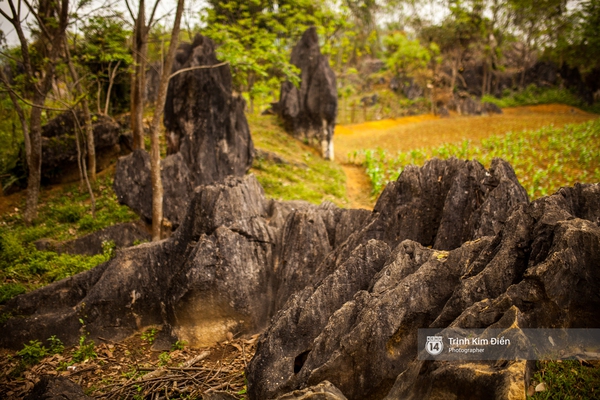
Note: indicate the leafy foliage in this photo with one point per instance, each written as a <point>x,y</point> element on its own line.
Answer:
<point>566,379</point>
<point>66,216</point>
<point>33,352</point>
<point>256,36</point>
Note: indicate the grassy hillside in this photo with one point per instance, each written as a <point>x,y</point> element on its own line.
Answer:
<point>301,173</point>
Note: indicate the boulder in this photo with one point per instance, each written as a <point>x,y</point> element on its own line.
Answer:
<point>207,133</point>
<point>323,391</point>
<point>309,113</point>
<point>56,388</point>
<point>59,148</point>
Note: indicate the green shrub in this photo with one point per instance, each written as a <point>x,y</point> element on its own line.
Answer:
<point>533,95</point>
<point>10,290</point>
<point>85,350</point>
<point>33,352</point>
<point>68,213</point>
<point>56,345</point>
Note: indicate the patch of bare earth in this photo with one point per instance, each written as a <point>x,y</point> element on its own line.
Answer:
<point>358,187</point>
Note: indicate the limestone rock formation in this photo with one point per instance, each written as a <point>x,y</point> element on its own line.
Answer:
<point>221,271</point>
<point>464,104</point>
<point>323,391</point>
<point>310,112</point>
<point>207,133</point>
<point>341,294</point>
<point>59,149</point>
<point>538,270</point>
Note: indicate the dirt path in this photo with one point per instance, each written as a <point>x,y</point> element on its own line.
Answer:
<point>403,134</point>
<point>358,187</point>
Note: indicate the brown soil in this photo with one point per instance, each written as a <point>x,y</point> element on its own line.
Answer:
<point>358,187</point>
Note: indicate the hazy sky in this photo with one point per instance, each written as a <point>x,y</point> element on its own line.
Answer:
<point>165,9</point>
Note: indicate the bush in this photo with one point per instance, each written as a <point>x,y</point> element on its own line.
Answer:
<point>33,352</point>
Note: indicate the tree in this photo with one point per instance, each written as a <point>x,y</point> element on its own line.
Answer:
<point>534,21</point>
<point>255,37</point>
<point>104,52</point>
<point>404,56</point>
<point>52,19</point>
<point>157,188</point>
<point>138,78</point>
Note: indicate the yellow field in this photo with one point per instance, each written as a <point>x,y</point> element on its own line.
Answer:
<point>407,133</point>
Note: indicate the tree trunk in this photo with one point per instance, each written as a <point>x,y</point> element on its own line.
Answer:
<point>137,95</point>
<point>34,161</point>
<point>111,81</point>
<point>157,187</point>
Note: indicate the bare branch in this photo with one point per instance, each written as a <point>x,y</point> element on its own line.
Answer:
<point>24,47</point>
<point>152,14</point>
<point>198,67</point>
<point>130,11</point>
<point>41,23</point>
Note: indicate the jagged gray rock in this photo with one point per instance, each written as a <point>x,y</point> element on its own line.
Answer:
<point>217,273</point>
<point>323,391</point>
<point>56,388</point>
<point>342,293</point>
<point>310,112</point>
<point>539,270</point>
<point>207,133</point>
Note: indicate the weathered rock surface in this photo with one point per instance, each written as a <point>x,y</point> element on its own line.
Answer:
<point>59,148</point>
<point>323,391</point>
<point>56,388</point>
<point>219,272</point>
<point>342,293</point>
<point>207,133</point>
<point>122,235</point>
<point>538,270</point>
<point>310,112</point>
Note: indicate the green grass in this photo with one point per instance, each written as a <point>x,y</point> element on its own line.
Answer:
<point>535,95</point>
<point>63,214</point>
<point>544,160</point>
<point>304,176</point>
<point>568,379</point>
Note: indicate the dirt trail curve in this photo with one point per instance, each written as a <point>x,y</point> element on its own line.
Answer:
<point>407,133</point>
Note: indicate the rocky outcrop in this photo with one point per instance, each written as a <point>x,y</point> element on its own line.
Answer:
<point>538,270</point>
<point>120,235</point>
<point>207,133</point>
<point>323,391</point>
<point>56,387</point>
<point>59,148</point>
<point>341,294</point>
<point>309,112</point>
<point>220,272</point>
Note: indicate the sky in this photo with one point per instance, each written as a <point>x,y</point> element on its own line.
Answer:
<point>165,9</point>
